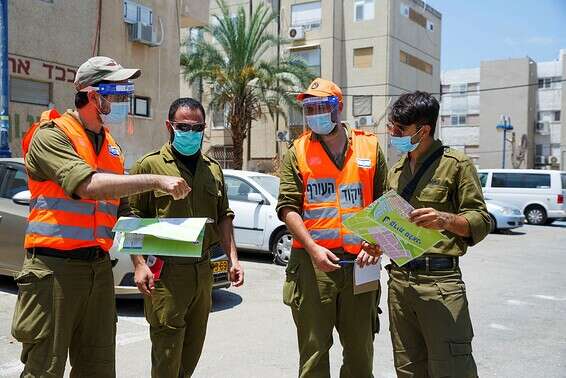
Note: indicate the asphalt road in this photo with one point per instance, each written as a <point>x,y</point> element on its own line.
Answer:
<point>515,285</point>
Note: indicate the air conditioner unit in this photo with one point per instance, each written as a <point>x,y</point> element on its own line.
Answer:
<point>542,128</point>
<point>296,33</point>
<point>142,33</point>
<point>541,160</point>
<point>553,160</point>
<point>283,136</point>
<point>364,121</point>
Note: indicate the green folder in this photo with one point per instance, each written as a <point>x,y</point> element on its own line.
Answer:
<point>160,236</point>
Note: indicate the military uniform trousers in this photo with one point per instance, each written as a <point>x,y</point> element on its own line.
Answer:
<point>430,325</point>
<point>177,313</point>
<point>65,307</point>
<point>322,301</point>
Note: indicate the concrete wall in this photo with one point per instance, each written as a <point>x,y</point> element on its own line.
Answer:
<point>48,41</point>
<point>518,103</point>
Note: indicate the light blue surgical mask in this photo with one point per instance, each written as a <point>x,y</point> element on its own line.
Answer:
<point>117,115</point>
<point>320,123</point>
<point>187,142</point>
<point>404,144</point>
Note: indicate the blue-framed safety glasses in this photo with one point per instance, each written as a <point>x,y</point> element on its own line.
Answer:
<point>114,92</point>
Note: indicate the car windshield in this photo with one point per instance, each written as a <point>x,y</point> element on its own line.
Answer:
<point>269,183</point>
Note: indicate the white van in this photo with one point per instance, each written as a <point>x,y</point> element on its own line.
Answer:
<point>538,193</point>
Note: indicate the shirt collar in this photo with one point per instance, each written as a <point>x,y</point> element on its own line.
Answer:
<point>169,157</point>
<point>436,144</point>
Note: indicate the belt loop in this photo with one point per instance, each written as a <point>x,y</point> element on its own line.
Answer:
<point>427,264</point>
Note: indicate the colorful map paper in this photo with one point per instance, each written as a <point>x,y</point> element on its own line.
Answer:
<point>386,223</point>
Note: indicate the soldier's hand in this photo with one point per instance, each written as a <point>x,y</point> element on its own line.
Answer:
<point>365,259</point>
<point>430,218</point>
<point>236,274</point>
<point>371,249</point>
<point>143,277</point>
<point>324,259</point>
<point>177,187</point>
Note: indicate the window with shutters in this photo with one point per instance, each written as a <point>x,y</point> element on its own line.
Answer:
<point>415,62</point>
<point>308,15</point>
<point>30,91</point>
<point>363,57</point>
<point>361,106</point>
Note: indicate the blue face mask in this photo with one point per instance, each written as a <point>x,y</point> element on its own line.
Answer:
<point>187,142</point>
<point>320,123</point>
<point>404,144</point>
<point>118,113</point>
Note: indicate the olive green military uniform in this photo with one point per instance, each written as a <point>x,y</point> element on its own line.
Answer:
<point>430,324</point>
<point>322,301</point>
<point>65,306</point>
<point>178,308</point>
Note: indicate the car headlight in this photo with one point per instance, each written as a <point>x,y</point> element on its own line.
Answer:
<point>507,211</point>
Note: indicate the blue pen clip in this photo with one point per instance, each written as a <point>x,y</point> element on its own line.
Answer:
<point>346,262</point>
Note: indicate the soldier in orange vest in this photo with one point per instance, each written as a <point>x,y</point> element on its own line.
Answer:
<point>329,174</point>
<point>76,178</point>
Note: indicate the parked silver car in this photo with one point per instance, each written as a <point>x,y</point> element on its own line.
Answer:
<point>504,216</point>
<point>14,201</point>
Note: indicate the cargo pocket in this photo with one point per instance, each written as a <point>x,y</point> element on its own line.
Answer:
<point>434,196</point>
<point>447,289</point>
<point>33,317</point>
<point>291,290</point>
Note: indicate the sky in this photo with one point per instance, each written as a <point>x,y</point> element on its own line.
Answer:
<point>476,30</point>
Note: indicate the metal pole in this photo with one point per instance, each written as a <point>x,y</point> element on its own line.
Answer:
<point>504,137</point>
<point>4,90</point>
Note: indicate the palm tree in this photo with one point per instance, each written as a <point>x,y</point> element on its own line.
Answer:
<point>238,63</point>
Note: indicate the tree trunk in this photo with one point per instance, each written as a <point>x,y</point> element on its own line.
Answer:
<point>238,142</point>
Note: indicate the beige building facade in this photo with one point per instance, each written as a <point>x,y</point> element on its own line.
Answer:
<point>531,94</point>
<point>374,50</point>
<point>49,39</point>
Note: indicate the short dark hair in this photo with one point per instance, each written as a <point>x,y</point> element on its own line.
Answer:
<point>419,108</point>
<point>81,99</point>
<point>182,102</point>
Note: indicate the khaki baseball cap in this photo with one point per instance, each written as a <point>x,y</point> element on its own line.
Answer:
<point>99,68</point>
<point>321,88</point>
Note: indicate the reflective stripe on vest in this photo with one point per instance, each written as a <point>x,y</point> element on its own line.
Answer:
<point>60,231</point>
<point>352,239</point>
<point>71,206</point>
<point>104,232</point>
<point>325,234</point>
<point>323,212</point>
<point>108,208</point>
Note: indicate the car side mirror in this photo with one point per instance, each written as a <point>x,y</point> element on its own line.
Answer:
<point>255,197</point>
<point>22,198</point>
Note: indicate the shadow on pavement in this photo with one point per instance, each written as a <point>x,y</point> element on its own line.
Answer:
<point>258,257</point>
<point>511,232</point>
<point>224,300</point>
<point>129,307</point>
<point>133,307</point>
<point>8,285</point>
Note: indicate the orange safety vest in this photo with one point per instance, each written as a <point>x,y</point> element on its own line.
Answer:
<point>58,221</point>
<point>331,195</point>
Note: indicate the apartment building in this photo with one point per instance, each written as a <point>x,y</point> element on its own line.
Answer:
<point>530,94</point>
<point>49,39</point>
<point>374,50</point>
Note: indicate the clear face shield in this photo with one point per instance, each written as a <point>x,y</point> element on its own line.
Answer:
<point>114,106</point>
<point>321,114</point>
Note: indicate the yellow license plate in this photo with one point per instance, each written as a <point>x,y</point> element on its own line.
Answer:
<point>219,266</point>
